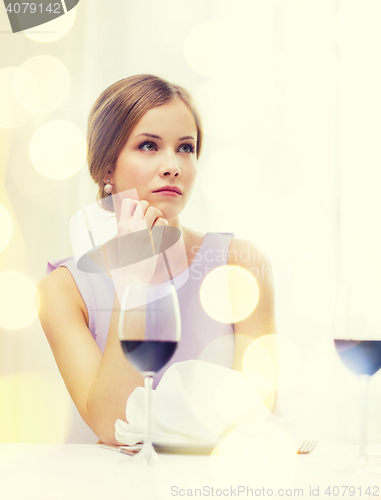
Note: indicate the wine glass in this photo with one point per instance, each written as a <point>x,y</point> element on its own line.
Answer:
<point>358,344</point>
<point>149,331</point>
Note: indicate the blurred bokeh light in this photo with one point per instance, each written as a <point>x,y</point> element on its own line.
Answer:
<point>58,149</point>
<point>6,227</point>
<point>43,84</point>
<point>53,30</point>
<point>19,300</point>
<point>229,294</point>
<point>12,113</point>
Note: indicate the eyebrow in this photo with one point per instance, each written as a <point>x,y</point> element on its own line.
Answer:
<point>158,137</point>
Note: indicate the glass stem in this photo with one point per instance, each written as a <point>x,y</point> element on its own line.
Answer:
<point>148,379</point>
<point>364,385</point>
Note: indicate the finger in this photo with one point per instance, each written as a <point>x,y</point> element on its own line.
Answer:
<point>128,208</point>
<point>152,215</point>
<point>161,222</point>
<point>140,210</point>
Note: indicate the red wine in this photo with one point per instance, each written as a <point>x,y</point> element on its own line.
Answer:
<point>148,355</point>
<point>360,356</point>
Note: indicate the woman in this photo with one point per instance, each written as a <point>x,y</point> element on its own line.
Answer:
<point>144,134</point>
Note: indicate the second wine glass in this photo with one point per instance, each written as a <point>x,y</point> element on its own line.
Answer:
<point>358,345</point>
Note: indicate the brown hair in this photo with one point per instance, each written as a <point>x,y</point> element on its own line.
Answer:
<point>116,112</point>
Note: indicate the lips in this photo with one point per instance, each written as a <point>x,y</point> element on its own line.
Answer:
<point>168,188</point>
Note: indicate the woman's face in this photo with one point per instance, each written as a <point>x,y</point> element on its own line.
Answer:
<point>149,163</point>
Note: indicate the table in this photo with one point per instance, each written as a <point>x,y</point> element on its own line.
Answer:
<point>81,472</point>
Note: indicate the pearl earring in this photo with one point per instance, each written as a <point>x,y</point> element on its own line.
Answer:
<point>108,187</point>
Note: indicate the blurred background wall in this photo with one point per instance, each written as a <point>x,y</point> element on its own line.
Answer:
<point>289,94</point>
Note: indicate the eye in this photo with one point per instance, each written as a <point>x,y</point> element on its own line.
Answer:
<point>147,143</point>
<point>191,148</point>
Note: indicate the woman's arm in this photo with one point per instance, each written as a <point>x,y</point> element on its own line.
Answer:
<point>261,321</point>
<point>98,384</point>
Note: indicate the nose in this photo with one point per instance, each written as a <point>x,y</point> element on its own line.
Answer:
<point>169,167</point>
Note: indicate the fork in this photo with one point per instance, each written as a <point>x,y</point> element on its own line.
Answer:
<point>306,447</point>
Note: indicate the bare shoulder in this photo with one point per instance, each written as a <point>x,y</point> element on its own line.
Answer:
<point>58,282</point>
<point>58,290</point>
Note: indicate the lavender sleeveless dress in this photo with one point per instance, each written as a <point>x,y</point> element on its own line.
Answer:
<point>202,337</point>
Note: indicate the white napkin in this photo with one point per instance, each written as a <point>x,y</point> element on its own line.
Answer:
<point>195,401</point>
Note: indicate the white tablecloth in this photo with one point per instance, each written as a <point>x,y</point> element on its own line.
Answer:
<point>81,472</point>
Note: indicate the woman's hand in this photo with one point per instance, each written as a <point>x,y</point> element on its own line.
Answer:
<point>137,218</point>
<point>139,215</point>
